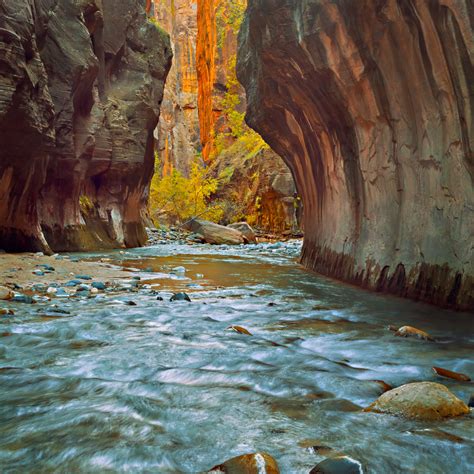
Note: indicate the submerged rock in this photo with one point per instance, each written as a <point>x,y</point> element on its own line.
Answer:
<point>451,375</point>
<point>420,400</point>
<point>214,233</point>
<point>338,465</point>
<point>255,463</point>
<point>240,330</point>
<point>409,331</point>
<point>180,297</point>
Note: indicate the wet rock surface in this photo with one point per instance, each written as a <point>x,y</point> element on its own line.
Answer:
<point>256,463</point>
<point>370,104</point>
<point>422,400</point>
<point>81,85</point>
<point>338,465</point>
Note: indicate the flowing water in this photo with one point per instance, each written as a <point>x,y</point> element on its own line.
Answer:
<point>165,386</point>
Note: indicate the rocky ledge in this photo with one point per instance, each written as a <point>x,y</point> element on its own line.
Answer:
<point>370,103</point>
<point>81,85</point>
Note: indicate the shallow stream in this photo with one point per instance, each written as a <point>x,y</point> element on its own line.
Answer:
<point>165,387</point>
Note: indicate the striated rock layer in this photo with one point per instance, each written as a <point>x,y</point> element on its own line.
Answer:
<point>370,103</point>
<point>178,128</point>
<point>80,90</point>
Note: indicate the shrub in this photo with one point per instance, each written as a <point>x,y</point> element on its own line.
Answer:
<point>181,198</point>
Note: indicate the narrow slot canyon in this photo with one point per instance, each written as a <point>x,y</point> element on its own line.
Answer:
<point>236,236</point>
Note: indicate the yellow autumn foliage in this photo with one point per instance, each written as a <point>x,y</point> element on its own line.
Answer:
<point>181,198</point>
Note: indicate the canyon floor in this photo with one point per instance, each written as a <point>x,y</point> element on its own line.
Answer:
<point>119,378</point>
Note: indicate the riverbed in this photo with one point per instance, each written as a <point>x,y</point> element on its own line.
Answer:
<point>129,381</point>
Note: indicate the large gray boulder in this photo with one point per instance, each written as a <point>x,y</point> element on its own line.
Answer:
<point>214,233</point>
<point>246,230</point>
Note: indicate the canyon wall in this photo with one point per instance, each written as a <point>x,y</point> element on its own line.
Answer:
<point>203,114</point>
<point>178,130</point>
<point>370,103</point>
<point>80,90</point>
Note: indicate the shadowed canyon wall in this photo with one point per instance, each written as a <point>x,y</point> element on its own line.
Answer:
<point>370,103</point>
<point>81,84</point>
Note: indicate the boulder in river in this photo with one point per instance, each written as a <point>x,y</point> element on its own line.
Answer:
<point>180,297</point>
<point>255,463</point>
<point>338,465</point>
<point>6,293</point>
<point>214,233</point>
<point>409,331</point>
<point>426,401</point>
<point>246,230</point>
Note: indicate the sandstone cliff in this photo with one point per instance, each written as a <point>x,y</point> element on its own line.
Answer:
<point>203,109</point>
<point>178,130</point>
<point>81,84</point>
<point>370,103</point>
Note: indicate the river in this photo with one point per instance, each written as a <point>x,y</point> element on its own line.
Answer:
<point>165,387</point>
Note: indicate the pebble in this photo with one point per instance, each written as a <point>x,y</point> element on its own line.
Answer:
<point>71,283</point>
<point>159,298</point>
<point>49,268</point>
<point>84,293</point>
<point>23,299</point>
<point>130,303</point>
<point>179,270</point>
<point>38,273</point>
<point>98,285</point>
<point>5,311</point>
<point>5,293</point>
<point>84,277</point>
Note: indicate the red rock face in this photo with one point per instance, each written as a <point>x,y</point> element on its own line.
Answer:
<point>206,70</point>
<point>178,129</point>
<point>80,90</point>
<point>371,105</point>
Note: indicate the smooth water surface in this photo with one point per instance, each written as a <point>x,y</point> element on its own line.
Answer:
<point>165,386</point>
